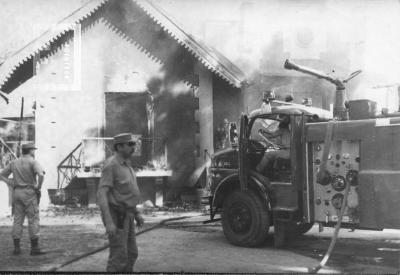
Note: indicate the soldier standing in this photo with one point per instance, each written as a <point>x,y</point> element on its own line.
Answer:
<point>27,181</point>
<point>118,196</point>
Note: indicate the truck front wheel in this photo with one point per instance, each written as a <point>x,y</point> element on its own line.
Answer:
<point>245,219</point>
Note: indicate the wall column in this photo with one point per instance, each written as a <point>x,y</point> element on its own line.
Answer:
<point>205,112</point>
<point>204,139</point>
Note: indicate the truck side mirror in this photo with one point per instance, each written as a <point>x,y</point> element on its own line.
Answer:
<point>233,134</point>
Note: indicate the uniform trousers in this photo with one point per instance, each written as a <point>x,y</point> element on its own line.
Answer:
<point>25,204</point>
<point>123,248</point>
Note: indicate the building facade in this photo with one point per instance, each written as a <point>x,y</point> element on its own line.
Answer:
<point>83,71</point>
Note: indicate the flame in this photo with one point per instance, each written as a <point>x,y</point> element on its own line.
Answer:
<point>94,153</point>
<point>159,163</point>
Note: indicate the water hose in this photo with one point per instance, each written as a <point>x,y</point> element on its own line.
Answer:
<point>87,254</point>
<point>314,270</point>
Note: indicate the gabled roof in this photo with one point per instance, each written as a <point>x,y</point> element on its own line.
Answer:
<point>26,53</point>
<point>209,57</point>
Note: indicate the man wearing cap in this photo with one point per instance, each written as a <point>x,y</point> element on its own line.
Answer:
<point>27,181</point>
<point>282,136</point>
<point>118,196</point>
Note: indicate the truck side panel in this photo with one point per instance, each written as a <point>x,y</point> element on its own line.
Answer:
<point>379,167</point>
<point>380,197</point>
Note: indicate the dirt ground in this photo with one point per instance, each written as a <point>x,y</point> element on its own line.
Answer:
<point>65,234</point>
<point>190,246</point>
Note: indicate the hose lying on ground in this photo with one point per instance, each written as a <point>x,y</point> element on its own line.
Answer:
<point>315,269</point>
<point>107,245</point>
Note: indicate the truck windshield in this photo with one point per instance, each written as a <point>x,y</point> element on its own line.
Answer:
<point>268,126</point>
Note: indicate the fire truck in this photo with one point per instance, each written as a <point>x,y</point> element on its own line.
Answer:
<point>338,170</point>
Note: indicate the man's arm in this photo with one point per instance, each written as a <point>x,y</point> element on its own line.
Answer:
<point>105,185</point>
<point>102,198</point>
<point>40,181</point>
<point>8,181</point>
<point>138,216</point>
<point>37,168</point>
<point>5,174</point>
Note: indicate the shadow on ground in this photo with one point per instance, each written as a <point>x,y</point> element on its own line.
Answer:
<point>359,251</point>
<point>355,252</point>
<point>61,243</point>
<point>351,254</point>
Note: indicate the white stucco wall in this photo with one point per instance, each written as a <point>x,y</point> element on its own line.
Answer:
<point>64,114</point>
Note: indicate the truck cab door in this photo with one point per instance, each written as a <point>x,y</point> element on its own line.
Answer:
<point>243,156</point>
<point>299,166</point>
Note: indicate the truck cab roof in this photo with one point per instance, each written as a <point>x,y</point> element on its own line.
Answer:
<point>295,109</point>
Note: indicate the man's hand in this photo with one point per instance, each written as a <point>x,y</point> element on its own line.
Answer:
<point>9,182</point>
<point>6,180</point>
<point>111,229</point>
<point>139,220</point>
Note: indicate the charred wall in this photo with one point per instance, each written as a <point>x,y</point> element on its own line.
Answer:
<point>172,87</point>
<point>174,120</point>
<point>228,105</point>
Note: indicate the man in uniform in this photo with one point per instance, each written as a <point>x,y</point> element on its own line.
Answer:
<point>118,196</point>
<point>27,181</point>
<point>282,136</point>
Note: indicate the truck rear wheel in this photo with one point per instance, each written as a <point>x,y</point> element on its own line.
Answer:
<point>245,219</point>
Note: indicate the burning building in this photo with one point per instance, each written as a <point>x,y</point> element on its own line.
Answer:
<point>118,66</point>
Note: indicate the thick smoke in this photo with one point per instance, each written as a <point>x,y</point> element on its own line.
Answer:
<point>171,87</point>
<point>340,36</point>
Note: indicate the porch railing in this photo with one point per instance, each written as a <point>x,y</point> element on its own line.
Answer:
<point>92,152</point>
<point>6,154</point>
<point>69,166</point>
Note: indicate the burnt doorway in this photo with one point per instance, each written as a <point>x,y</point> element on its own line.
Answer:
<point>126,113</point>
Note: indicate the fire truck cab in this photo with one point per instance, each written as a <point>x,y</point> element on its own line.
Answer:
<point>330,162</point>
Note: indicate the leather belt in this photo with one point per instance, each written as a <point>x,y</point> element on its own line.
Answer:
<point>23,186</point>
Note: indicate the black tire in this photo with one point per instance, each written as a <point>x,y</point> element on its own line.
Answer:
<point>245,219</point>
<point>300,229</point>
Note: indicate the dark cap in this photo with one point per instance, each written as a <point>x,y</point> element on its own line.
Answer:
<point>124,138</point>
<point>28,146</point>
<point>289,98</point>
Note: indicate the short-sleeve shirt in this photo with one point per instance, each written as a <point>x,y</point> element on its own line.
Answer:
<point>120,177</point>
<point>24,170</point>
<point>284,137</point>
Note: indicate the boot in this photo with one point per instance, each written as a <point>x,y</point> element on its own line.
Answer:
<point>35,250</point>
<point>17,247</point>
